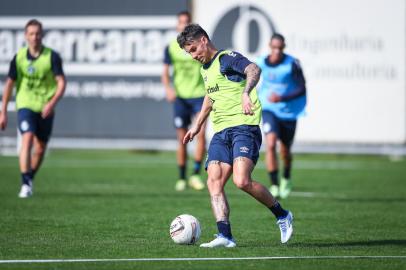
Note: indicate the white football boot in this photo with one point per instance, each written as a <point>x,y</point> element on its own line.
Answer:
<point>286,227</point>
<point>220,241</point>
<point>26,191</point>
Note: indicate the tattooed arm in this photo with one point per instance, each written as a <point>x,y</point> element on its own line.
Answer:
<point>252,71</point>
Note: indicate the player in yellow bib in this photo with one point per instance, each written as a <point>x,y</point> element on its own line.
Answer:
<point>235,111</point>
<point>37,73</point>
<point>186,94</point>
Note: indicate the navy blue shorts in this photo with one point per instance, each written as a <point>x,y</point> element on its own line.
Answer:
<point>29,121</point>
<point>233,142</point>
<point>284,129</point>
<point>185,109</point>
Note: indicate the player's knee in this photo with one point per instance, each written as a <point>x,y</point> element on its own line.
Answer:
<point>214,184</point>
<point>39,150</point>
<point>271,147</point>
<point>242,183</point>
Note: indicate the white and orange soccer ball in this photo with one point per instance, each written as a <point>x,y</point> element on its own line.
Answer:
<point>185,230</point>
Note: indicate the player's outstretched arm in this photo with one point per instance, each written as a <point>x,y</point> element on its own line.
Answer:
<point>8,90</point>
<point>204,113</point>
<point>253,72</point>
<point>166,81</point>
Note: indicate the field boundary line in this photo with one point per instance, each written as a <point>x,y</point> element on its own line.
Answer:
<point>199,259</point>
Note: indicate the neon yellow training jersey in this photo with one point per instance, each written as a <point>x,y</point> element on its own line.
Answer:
<point>226,98</point>
<point>186,73</point>
<point>36,83</point>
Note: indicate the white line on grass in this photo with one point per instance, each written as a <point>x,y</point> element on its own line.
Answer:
<point>199,259</point>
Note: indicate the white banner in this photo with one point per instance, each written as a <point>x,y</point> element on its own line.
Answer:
<point>352,53</point>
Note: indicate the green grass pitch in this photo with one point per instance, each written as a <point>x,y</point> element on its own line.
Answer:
<point>119,204</point>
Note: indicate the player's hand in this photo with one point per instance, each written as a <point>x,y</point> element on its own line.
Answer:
<point>190,134</point>
<point>47,110</point>
<point>3,120</point>
<point>170,95</point>
<point>247,106</point>
<point>275,98</point>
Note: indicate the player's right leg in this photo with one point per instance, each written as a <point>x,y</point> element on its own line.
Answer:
<point>219,169</point>
<point>288,129</point>
<point>181,156</point>
<point>181,122</point>
<point>27,127</point>
<point>271,130</point>
<point>195,180</point>
<point>271,160</point>
<point>218,174</point>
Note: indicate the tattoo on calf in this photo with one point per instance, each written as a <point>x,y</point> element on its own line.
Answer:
<point>220,207</point>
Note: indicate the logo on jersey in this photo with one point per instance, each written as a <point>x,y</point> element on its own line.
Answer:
<point>213,89</point>
<point>244,28</point>
<point>31,70</point>
<point>244,149</point>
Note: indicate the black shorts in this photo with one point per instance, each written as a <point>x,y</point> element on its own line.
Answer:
<point>29,121</point>
<point>284,129</point>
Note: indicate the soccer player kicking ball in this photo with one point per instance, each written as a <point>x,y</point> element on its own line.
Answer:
<point>234,108</point>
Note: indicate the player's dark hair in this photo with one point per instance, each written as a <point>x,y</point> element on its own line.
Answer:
<point>190,33</point>
<point>33,22</point>
<point>278,36</point>
<point>185,13</point>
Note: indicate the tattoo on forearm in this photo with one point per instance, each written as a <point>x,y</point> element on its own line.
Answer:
<point>220,207</point>
<point>253,72</point>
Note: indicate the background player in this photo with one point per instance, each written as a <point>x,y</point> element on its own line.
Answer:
<point>38,75</point>
<point>187,98</point>
<point>235,111</point>
<point>283,97</point>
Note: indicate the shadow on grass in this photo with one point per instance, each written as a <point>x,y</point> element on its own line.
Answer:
<point>370,200</point>
<point>123,194</point>
<point>367,243</point>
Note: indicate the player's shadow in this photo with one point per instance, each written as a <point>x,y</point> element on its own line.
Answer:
<point>367,243</point>
<point>371,200</point>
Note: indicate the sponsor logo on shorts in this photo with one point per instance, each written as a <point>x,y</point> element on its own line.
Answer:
<point>24,125</point>
<point>244,149</point>
<point>178,122</point>
<point>267,127</point>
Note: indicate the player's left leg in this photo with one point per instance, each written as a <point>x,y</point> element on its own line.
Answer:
<point>246,145</point>
<point>242,169</point>
<point>40,142</point>
<point>39,148</point>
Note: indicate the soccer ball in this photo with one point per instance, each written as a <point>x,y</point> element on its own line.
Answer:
<point>185,230</point>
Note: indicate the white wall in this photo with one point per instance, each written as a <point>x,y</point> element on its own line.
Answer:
<point>353,56</point>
